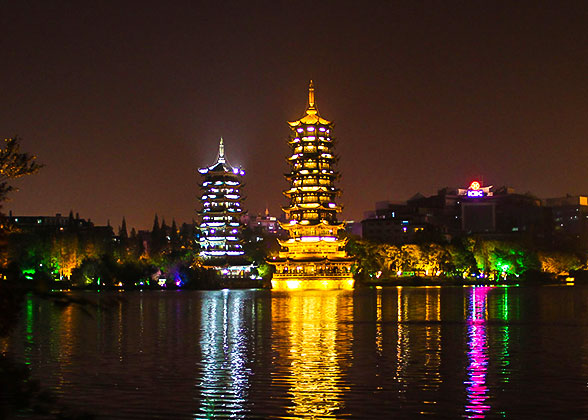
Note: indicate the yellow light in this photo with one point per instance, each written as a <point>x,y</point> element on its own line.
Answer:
<point>293,284</point>
<point>316,284</point>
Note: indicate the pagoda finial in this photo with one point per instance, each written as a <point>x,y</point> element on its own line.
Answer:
<point>221,151</point>
<point>311,104</point>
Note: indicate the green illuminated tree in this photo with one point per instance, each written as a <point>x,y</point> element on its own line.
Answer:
<point>461,258</point>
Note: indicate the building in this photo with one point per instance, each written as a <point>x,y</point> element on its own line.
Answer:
<point>501,213</point>
<point>58,222</point>
<point>497,213</point>
<point>263,225</point>
<point>47,225</point>
<point>570,221</point>
<point>419,219</point>
<point>313,257</point>
<point>221,229</point>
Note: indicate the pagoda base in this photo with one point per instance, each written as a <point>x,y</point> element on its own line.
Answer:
<point>290,283</point>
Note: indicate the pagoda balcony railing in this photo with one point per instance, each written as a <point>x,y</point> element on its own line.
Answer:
<point>316,274</point>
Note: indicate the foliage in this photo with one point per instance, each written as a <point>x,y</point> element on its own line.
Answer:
<point>559,263</point>
<point>14,164</point>
<point>462,258</point>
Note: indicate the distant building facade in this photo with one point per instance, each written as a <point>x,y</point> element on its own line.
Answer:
<point>570,221</point>
<point>263,225</point>
<point>486,211</point>
<point>59,223</point>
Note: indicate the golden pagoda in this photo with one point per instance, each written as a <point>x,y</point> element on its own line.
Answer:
<point>313,257</point>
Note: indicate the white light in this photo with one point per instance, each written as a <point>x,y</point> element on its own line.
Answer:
<point>309,238</point>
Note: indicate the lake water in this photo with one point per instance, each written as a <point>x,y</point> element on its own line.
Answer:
<point>398,353</point>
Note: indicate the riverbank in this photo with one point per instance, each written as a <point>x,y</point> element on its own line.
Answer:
<point>535,279</point>
<point>580,277</point>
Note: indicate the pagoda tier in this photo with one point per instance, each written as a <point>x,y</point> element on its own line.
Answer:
<point>314,256</point>
<point>220,217</point>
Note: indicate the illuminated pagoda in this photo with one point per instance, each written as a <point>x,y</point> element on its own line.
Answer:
<point>313,257</point>
<point>220,228</point>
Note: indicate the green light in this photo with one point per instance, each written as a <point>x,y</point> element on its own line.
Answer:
<point>29,330</point>
<point>29,271</point>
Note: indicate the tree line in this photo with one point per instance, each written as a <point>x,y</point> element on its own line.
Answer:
<point>462,258</point>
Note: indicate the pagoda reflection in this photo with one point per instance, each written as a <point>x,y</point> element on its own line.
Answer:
<point>225,377</point>
<point>319,337</point>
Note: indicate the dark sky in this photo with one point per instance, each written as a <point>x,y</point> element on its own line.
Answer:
<point>123,101</point>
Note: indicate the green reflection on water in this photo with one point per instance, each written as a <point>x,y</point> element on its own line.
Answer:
<point>29,330</point>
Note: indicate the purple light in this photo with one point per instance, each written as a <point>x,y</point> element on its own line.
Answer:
<point>475,193</point>
<point>477,390</point>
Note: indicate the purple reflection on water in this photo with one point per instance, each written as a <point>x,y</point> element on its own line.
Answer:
<point>477,390</point>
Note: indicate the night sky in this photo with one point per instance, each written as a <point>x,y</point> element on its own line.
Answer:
<point>123,101</point>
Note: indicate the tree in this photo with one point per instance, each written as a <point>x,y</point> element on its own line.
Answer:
<point>122,232</point>
<point>14,164</point>
<point>413,259</point>
<point>462,260</point>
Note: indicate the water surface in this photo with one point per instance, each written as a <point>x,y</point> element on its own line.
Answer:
<point>401,353</point>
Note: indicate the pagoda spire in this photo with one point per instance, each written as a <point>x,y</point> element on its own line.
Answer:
<point>312,113</point>
<point>311,110</point>
<point>221,152</point>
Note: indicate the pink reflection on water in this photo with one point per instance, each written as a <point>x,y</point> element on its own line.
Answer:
<point>477,390</point>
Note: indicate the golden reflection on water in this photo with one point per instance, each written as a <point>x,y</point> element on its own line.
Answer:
<point>66,345</point>
<point>319,336</point>
<point>432,338</point>
<point>379,334</point>
<point>402,341</point>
